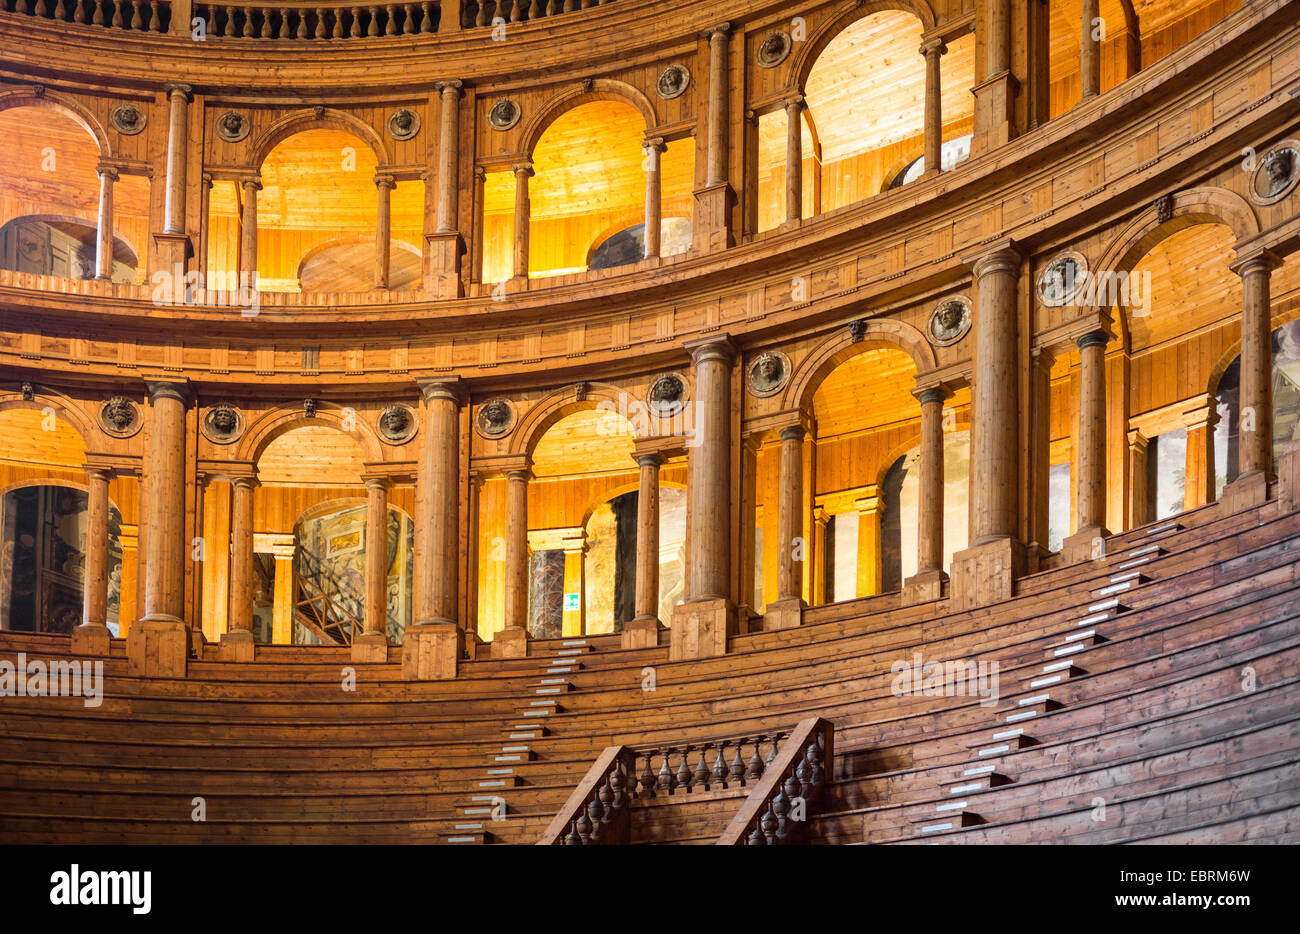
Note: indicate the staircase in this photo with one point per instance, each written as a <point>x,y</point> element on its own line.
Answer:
<point>485,815</point>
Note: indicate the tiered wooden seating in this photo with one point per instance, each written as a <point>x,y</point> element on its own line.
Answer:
<point>1152,718</point>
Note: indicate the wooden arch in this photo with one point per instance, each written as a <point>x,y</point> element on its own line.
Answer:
<point>273,424</point>
<point>59,103</point>
<point>559,403</point>
<point>806,57</point>
<point>601,89</point>
<point>840,346</point>
<point>304,120</point>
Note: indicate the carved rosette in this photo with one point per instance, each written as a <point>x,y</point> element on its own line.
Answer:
<point>403,123</point>
<point>673,82</point>
<point>128,119</point>
<point>397,424</point>
<point>504,114</point>
<point>774,49</point>
<point>119,417</point>
<point>232,126</point>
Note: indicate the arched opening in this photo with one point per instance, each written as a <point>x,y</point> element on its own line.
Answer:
<point>49,199</point>
<point>1286,404</point>
<point>628,245</point>
<point>865,95</point>
<point>293,222</point>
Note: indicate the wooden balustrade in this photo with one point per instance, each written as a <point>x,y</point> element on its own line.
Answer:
<point>723,771</point>
<point>135,15</point>
<point>597,810</point>
<point>798,773</point>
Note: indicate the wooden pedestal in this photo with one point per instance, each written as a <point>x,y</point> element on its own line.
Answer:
<point>431,651</point>
<point>984,574</point>
<point>700,629</point>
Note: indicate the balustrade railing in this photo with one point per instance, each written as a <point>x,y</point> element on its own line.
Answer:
<point>597,811</point>
<point>777,810</point>
<point>726,763</point>
<point>135,15</point>
<point>319,21</point>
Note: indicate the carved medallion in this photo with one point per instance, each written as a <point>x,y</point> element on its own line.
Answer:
<point>667,394</point>
<point>29,392</point>
<point>223,424</point>
<point>1276,174</point>
<point>128,119</point>
<point>769,373</point>
<point>397,424</point>
<point>403,124</point>
<point>309,408</point>
<point>774,49</point>
<point>494,419</point>
<point>1062,279</point>
<point>673,82</point>
<point>949,322</point>
<point>504,114</point>
<point>119,417</point>
<point>232,126</point>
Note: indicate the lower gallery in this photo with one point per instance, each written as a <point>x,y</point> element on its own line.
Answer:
<point>651,421</point>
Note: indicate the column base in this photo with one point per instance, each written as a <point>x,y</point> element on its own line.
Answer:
<point>786,613</point>
<point>431,651</point>
<point>173,249</point>
<point>700,628</point>
<point>713,220</point>
<point>442,255</point>
<point>370,647</point>
<point>237,646</point>
<point>1246,492</point>
<point>986,573</point>
<point>158,646</point>
<point>511,642</point>
<point>91,639</point>
<point>641,633</point>
<point>1087,544</point>
<point>924,587</point>
<point>995,100</point>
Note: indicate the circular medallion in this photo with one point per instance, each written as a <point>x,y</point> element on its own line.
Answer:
<point>774,49</point>
<point>397,424</point>
<point>403,124</point>
<point>1062,279</point>
<point>119,417</point>
<point>223,424</point>
<point>673,82</point>
<point>667,395</point>
<point>949,322</point>
<point>232,126</point>
<point>494,419</point>
<point>504,114</point>
<point>1276,174</point>
<point>128,119</point>
<point>769,373</point>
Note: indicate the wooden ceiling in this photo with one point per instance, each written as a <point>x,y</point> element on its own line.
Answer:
<point>866,391</point>
<point>26,440</point>
<point>311,456</point>
<point>587,442</point>
<point>350,267</point>
<point>867,88</point>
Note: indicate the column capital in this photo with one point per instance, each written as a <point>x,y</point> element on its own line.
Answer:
<point>795,102</point>
<point>99,472</point>
<point>251,182</point>
<point>1003,256</point>
<point>714,346</point>
<point>1097,338</point>
<point>452,85</point>
<point>480,173</point>
<point>377,482</point>
<point>519,474</point>
<point>448,388</point>
<point>934,46</point>
<point>523,168</point>
<point>384,180</point>
<point>722,29</point>
<point>648,459</point>
<point>1136,439</point>
<point>939,394</point>
<point>655,143</point>
<point>104,170</point>
<point>168,389</point>
<point>1260,260</point>
<point>245,481</point>
<point>176,89</point>
<point>793,432</point>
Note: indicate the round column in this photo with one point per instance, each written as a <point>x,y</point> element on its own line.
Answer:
<point>440,506</point>
<point>448,156</point>
<point>929,539</point>
<point>709,520</point>
<point>383,229</point>
<point>516,601</point>
<point>523,211</point>
<point>376,596</point>
<point>717,106</point>
<point>654,148</point>
<point>790,517</point>
<point>647,537</point>
<point>241,554</point>
<point>1255,446</point>
<point>95,602</point>
<point>1091,495</point>
<point>165,550</point>
<point>794,158</point>
<point>104,232</point>
<point>933,51</point>
<point>248,230</point>
<point>178,100</point>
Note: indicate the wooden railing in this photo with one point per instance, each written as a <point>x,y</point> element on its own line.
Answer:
<point>676,774</point>
<point>597,812</point>
<point>777,810</point>
<point>135,15</point>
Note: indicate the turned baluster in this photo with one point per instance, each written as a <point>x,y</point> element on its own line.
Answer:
<point>391,27</point>
<point>426,18</point>
<point>248,32</point>
<point>117,15</point>
<point>374,22</point>
<point>756,837</point>
<point>320,30</point>
<point>480,16</point>
<point>60,10</point>
<point>355,32</point>
<point>595,814</point>
<point>517,11</point>
<point>20,6</point>
<point>301,31</point>
<point>570,6</point>
<point>755,770</point>
<point>155,18</point>
<point>667,780</point>
<point>780,808</point>
<point>572,838</point>
<point>136,22</point>
<point>266,31</point>
<point>534,11</point>
<point>583,827</point>
<point>776,743</point>
<point>97,14</point>
<point>702,773</point>
<point>720,764</point>
<point>40,8</point>
<point>78,11</point>
<point>336,16</point>
<point>738,764</point>
<point>648,775</point>
<point>284,25</point>
<point>684,776</point>
<point>768,823</point>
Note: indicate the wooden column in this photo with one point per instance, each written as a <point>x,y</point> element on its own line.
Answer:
<point>383,229</point>
<point>713,202</point>
<point>448,157</point>
<point>1040,453</point>
<point>282,598</point>
<point>178,101</point>
<point>986,571</point>
<point>129,540</point>
<point>1089,51</point>
<point>1198,488</point>
<point>159,642</point>
<point>794,158</point>
<point>237,640</point>
<point>995,96</point>
<point>927,583</point>
<point>574,545</point>
<point>933,50</point>
<point>702,623</point>
<point>431,648</point>
<point>92,636</point>
<point>822,588</point>
<point>512,641</point>
<point>248,230</point>
<point>1139,503</point>
<point>654,148</point>
<point>788,608</point>
<point>523,212</point>
<point>1255,405</point>
<point>372,644</point>
<point>104,232</point>
<point>643,630</point>
<point>1090,459</point>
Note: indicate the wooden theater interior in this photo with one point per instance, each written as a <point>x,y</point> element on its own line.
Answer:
<point>735,422</point>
